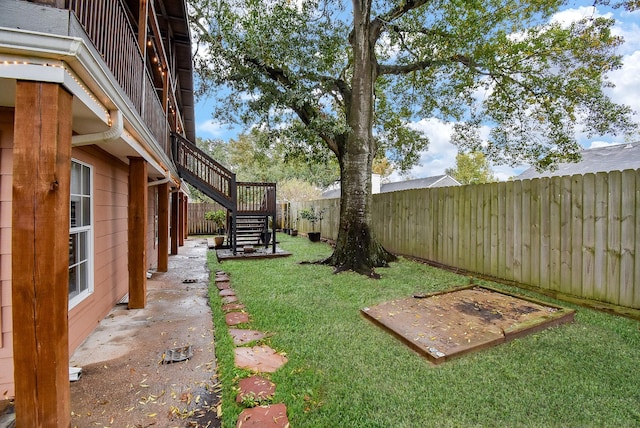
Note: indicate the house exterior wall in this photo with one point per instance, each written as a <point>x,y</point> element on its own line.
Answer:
<point>110,178</point>
<point>6,173</point>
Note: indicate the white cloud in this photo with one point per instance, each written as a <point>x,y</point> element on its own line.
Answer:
<point>211,129</point>
<point>627,81</point>
<point>566,17</point>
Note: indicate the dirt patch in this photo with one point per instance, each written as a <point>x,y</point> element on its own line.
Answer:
<point>461,320</point>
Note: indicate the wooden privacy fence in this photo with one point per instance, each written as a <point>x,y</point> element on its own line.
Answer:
<point>577,235</point>
<point>197,225</point>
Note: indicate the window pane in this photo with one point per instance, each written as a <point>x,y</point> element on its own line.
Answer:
<point>76,178</point>
<point>75,211</point>
<point>73,249</point>
<point>86,212</point>
<point>73,283</point>
<point>83,277</point>
<point>86,180</point>
<point>82,247</point>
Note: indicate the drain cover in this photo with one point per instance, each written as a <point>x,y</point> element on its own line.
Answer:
<point>189,281</point>
<point>175,355</point>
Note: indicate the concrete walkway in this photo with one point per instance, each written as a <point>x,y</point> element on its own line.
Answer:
<point>126,381</point>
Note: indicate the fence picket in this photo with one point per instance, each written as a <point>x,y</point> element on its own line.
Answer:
<point>576,247</point>
<point>588,236</point>
<point>627,236</point>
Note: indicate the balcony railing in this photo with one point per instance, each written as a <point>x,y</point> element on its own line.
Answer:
<point>256,198</point>
<point>107,25</point>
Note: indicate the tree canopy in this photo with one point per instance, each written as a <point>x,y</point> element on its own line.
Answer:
<point>350,77</point>
<point>471,168</point>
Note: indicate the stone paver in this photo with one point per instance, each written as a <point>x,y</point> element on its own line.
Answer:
<point>227,292</point>
<point>243,336</point>
<point>273,416</point>
<point>233,307</point>
<point>235,318</point>
<point>223,285</point>
<point>259,358</point>
<point>229,299</point>
<point>256,388</point>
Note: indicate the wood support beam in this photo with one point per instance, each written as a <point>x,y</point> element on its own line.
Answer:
<point>40,260</point>
<point>175,216</point>
<point>181,199</point>
<point>185,218</point>
<point>163,227</point>
<point>143,15</point>
<point>138,202</point>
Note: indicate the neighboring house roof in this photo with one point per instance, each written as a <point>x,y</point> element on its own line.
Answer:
<point>420,183</point>
<point>602,159</point>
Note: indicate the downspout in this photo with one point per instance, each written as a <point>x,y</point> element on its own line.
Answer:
<point>115,131</point>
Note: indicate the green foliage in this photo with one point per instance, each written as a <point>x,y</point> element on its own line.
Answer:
<point>219,217</point>
<point>261,156</point>
<point>345,371</point>
<point>471,168</point>
<point>312,214</point>
<point>295,190</point>
<point>494,62</point>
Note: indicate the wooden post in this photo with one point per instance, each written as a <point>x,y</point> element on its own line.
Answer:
<point>143,14</point>
<point>138,201</point>
<point>40,261</point>
<point>181,219</point>
<point>185,217</point>
<point>163,227</point>
<point>175,202</point>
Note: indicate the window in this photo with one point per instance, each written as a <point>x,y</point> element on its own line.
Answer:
<point>80,234</point>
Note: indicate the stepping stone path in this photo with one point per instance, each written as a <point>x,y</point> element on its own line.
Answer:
<point>274,416</point>
<point>260,359</point>
<point>242,336</point>
<point>263,359</point>
<point>235,318</point>
<point>255,388</point>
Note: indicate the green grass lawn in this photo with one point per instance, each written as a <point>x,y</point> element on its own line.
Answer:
<point>344,371</point>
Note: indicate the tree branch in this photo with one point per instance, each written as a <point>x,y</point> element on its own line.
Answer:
<point>305,111</point>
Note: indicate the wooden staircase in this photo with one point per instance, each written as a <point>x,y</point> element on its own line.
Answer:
<point>251,205</point>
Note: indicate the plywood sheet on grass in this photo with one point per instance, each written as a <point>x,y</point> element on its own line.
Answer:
<point>447,324</point>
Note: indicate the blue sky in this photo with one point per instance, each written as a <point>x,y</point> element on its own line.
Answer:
<point>441,153</point>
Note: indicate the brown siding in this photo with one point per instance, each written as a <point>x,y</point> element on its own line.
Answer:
<point>6,174</point>
<point>110,243</point>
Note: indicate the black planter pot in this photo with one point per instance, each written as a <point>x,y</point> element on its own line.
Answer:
<point>294,232</point>
<point>265,237</point>
<point>314,236</point>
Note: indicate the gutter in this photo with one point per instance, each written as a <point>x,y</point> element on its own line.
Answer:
<point>158,182</point>
<point>113,133</point>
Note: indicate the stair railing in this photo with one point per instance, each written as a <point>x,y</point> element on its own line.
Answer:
<point>199,164</point>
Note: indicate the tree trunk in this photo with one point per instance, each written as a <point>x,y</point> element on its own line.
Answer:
<point>356,248</point>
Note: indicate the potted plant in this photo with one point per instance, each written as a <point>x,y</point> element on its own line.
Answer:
<point>313,215</point>
<point>219,218</point>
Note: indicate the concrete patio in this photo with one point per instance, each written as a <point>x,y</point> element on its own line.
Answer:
<point>126,381</point>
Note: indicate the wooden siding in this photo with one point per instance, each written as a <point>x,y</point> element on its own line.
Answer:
<point>110,242</point>
<point>577,235</point>
<point>6,173</point>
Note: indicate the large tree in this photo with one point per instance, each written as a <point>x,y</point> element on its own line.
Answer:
<point>351,77</point>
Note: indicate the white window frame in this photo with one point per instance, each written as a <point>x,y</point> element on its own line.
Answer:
<point>88,290</point>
